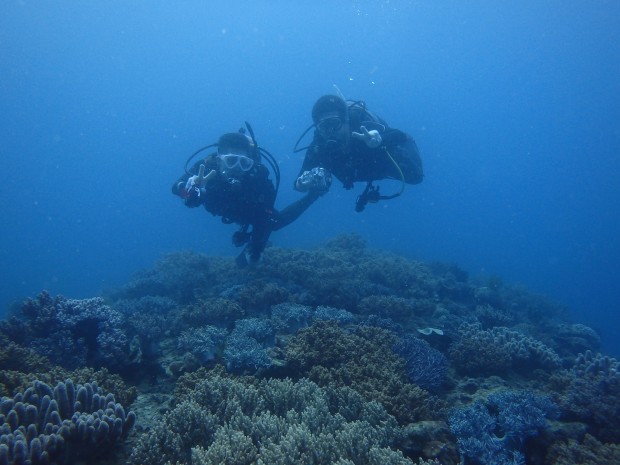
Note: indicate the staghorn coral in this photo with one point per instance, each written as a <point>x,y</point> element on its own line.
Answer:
<point>229,420</point>
<point>61,425</point>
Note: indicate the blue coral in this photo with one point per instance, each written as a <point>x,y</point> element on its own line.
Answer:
<point>72,333</point>
<point>247,344</point>
<point>521,414</point>
<point>62,424</point>
<point>290,317</point>
<point>148,316</point>
<point>493,434</point>
<point>342,317</point>
<point>244,353</point>
<point>205,342</point>
<point>255,328</point>
<point>592,394</point>
<point>379,322</point>
<point>426,366</point>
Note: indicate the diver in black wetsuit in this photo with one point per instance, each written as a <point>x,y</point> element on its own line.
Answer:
<point>355,145</point>
<point>234,184</point>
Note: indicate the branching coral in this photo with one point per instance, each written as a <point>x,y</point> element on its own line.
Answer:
<point>290,317</point>
<point>588,452</point>
<point>226,420</point>
<point>590,392</point>
<point>493,434</point>
<point>205,342</point>
<point>363,360</point>
<point>324,313</point>
<point>246,346</point>
<point>71,333</point>
<point>497,350</point>
<point>426,367</point>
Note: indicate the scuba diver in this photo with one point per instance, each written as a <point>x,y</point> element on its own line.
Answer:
<point>232,182</point>
<point>356,146</point>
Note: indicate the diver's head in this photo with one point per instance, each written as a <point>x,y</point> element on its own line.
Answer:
<point>236,154</point>
<point>330,116</point>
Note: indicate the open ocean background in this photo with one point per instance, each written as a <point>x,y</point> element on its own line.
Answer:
<point>514,105</point>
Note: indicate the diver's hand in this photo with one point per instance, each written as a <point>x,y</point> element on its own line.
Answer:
<point>371,138</point>
<point>317,180</point>
<point>200,180</point>
<point>193,190</point>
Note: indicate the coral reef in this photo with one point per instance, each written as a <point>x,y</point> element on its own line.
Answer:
<point>363,360</point>
<point>323,313</point>
<point>590,393</point>
<point>497,350</point>
<point>589,452</point>
<point>60,425</point>
<point>289,317</point>
<point>214,311</point>
<point>70,333</point>
<point>246,346</point>
<point>493,434</point>
<point>341,354</point>
<point>180,276</point>
<point>227,420</point>
<point>426,367</point>
<point>206,342</point>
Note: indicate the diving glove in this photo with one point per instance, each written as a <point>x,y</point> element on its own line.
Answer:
<point>371,138</point>
<point>316,180</point>
<point>194,187</point>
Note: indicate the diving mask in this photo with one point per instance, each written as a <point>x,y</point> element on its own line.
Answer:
<point>232,161</point>
<point>329,125</point>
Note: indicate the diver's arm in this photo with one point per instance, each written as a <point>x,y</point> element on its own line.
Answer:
<point>311,160</point>
<point>293,211</point>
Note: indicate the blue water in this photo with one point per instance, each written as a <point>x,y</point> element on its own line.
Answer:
<point>514,106</point>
